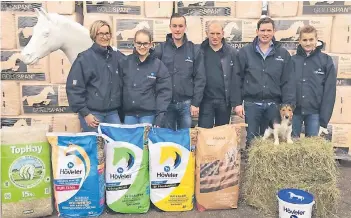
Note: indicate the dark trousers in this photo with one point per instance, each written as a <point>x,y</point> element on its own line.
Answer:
<point>178,115</point>
<point>214,112</point>
<point>311,122</point>
<point>257,118</point>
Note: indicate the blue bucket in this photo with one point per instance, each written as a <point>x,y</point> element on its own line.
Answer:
<point>295,203</point>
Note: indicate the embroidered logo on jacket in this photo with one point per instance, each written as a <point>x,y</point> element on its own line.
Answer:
<point>279,58</point>
<point>319,71</point>
<point>189,60</point>
<point>152,75</point>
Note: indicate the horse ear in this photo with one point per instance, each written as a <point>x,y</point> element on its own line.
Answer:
<point>42,12</point>
<point>37,10</point>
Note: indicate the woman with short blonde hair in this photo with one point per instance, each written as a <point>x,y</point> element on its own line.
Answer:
<point>96,26</point>
<point>94,86</point>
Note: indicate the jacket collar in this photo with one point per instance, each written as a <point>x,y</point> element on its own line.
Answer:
<point>301,52</point>
<point>276,44</point>
<point>100,50</point>
<point>169,39</point>
<point>148,58</point>
<point>206,44</point>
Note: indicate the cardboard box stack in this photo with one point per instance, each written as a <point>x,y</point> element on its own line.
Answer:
<point>333,21</point>
<point>33,94</point>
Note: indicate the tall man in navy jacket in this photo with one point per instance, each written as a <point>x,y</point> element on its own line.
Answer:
<point>187,71</point>
<point>263,79</point>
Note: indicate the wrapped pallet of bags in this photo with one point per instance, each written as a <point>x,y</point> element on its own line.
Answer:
<point>217,168</point>
<point>25,172</point>
<point>127,176</point>
<point>78,171</point>
<point>172,169</point>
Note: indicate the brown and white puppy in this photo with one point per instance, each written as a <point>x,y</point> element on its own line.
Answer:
<point>281,125</point>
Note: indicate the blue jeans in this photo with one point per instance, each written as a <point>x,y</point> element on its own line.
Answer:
<point>257,118</point>
<point>214,111</point>
<point>103,117</point>
<point>137,120</point>
<point>178,115</point>
<point>311,122</point>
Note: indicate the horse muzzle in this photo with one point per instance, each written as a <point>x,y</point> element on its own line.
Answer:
<point>29,58</point>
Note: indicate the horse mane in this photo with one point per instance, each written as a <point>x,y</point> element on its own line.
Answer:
<point>62,20</point>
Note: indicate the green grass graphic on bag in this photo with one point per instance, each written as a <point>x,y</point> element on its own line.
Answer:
<point>127,176</point>
<point>25,173</point>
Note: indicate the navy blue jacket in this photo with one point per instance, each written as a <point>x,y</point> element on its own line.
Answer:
<point>93,82</point>
<point>227,62</point>
<point>146,87</point>
<point>263,80</point>
<point>186,68</point>
<point>316,84</point>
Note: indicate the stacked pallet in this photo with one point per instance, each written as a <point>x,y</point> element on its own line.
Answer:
<point>332,20</point>
<point>33,94</point>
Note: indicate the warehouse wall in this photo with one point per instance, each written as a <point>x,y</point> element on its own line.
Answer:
<point>19,81</point>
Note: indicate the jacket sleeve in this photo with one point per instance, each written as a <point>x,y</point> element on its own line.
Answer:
<point>163,93</point>
<point>199,77</point>
<point>76,88</point>
<point>158,51</point>
<point>288,81</point>
<point>237,79</point>
<point>329,94</point>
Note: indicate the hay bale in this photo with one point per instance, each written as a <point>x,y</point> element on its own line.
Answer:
<point>307,164</point>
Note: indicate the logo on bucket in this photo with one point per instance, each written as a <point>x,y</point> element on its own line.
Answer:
<point>295,203</point>
<point>294,212</point>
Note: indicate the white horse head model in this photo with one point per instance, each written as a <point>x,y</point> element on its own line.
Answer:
<point>53,32</point>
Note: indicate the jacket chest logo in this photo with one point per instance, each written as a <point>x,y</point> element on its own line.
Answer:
<point>152,75</point>
<point>188,59</point>
<point>279,58</point>
<point>319,71</point>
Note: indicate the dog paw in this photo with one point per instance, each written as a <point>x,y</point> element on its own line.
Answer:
<point>276,142</point>
<point>290,141</point>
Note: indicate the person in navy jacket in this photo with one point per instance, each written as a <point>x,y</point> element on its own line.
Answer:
<point>147,85</point>
<point>93,85</point>
<point>316,84</point>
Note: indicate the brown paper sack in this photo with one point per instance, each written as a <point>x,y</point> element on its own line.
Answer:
<point>217,168</point>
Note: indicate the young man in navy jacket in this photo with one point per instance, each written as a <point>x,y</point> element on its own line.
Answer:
<point>263,79</point>
<point>316,84</point>
<point>180,56</point>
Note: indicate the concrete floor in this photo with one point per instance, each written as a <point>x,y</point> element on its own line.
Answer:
<point>245,211</point>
